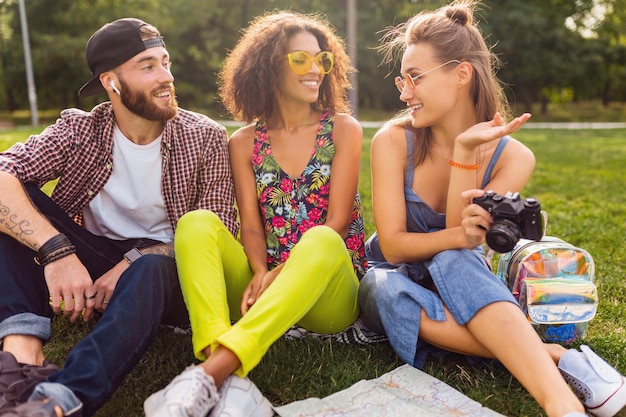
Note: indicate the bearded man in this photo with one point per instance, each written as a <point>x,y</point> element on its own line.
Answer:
<point>101,244</point>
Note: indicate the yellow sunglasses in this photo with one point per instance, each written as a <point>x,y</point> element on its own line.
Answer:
<point>301,62</point>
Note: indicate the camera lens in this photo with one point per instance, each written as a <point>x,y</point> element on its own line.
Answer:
<point>503,236</point>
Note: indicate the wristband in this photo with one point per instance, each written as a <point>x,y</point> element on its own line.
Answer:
<point>55,248</point>
<point>463,166</point>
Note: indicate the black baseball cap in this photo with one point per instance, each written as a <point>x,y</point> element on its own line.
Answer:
<point>111,46</point>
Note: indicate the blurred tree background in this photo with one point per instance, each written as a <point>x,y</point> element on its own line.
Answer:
<point>551,50</point>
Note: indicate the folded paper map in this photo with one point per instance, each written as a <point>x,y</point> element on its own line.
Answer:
<point>403,392</point>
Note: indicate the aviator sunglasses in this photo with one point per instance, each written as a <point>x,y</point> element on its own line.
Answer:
<point>401,82</point>
<point>301,62</point>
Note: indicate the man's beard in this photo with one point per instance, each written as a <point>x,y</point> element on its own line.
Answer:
<point>141,104</point>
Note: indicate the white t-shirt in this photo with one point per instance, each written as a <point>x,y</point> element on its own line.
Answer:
<point>131,204</point>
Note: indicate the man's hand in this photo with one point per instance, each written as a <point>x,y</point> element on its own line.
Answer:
<point>68,280</point>
<point>105,285</point>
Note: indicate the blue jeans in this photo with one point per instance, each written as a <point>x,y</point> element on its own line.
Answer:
<point>146,296</point>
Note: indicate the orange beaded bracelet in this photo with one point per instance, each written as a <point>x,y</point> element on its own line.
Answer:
<point>462,166</point>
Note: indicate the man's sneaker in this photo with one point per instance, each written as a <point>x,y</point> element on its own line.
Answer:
<point>239,397</point>
<point>599,386</point>
<point>17,380</point>
<point>190,394</point>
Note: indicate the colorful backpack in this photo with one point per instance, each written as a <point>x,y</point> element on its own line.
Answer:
<point>553,282</point>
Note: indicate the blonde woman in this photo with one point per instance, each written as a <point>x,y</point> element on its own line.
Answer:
<point>429,286</point>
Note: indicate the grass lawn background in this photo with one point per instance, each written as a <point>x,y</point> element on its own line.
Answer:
<point>580,181</point>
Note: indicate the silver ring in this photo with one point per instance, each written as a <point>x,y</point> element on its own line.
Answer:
<point>105,302</point>
<point>90,297</point>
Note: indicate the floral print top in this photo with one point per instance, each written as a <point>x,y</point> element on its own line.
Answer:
<point>292,205</point>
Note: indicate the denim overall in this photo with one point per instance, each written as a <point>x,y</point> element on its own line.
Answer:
<point>391,296</point>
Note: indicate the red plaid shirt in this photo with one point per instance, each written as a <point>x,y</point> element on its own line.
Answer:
<point>77,150</point>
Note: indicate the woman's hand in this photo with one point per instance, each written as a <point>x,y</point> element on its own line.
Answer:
<point>475,219</point>
<point>485,132</point>
<point>258,284</point>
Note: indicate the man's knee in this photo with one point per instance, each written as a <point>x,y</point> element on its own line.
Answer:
<point>151,270</point>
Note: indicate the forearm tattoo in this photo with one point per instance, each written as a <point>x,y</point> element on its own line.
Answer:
<point>19,229</point>
<point>164,249</point>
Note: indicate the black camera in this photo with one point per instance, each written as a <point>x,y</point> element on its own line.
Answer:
<point>514,218</point>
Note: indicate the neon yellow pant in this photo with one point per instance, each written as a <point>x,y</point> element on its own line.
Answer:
<point>316,289</point>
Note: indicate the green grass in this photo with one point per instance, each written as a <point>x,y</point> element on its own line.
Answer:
<point>580,180</point>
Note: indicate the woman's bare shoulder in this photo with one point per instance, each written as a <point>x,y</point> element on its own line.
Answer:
<point>346,121</point>
<point>519,151</point>
<point>390,135</point>
<point>241,136</point>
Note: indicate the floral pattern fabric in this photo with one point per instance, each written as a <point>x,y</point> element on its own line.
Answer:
<point>292,205</point>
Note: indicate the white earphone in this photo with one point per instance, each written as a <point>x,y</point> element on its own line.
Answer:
<point>112,84</point>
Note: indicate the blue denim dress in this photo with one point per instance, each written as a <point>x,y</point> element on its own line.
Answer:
<point>391,296</point>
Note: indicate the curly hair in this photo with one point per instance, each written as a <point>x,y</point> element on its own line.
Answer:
<point>252,70</point>
<point>453,34</point>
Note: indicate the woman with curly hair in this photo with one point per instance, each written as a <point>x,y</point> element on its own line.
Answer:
<point>301,250</point>
<point>429,287</point>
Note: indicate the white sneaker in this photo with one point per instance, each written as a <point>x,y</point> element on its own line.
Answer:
<point>600,386</point>
<point>190,394</point>
<point>239,397</point>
